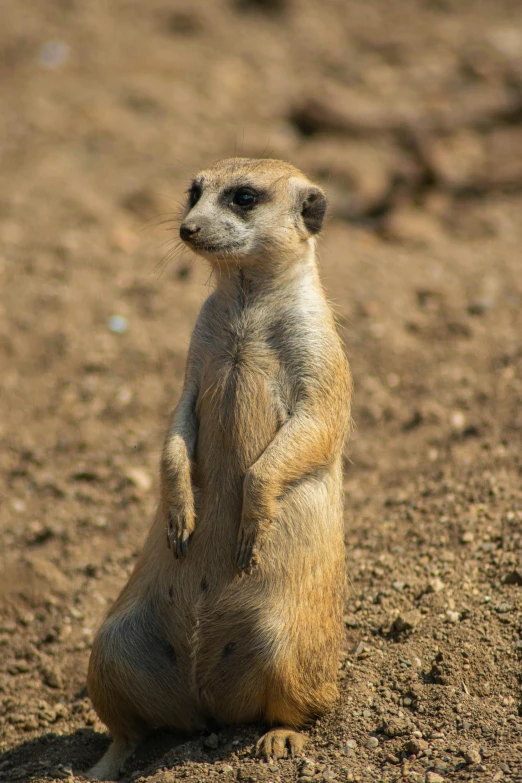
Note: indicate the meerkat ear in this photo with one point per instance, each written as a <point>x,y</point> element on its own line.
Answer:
<point>313,209</point>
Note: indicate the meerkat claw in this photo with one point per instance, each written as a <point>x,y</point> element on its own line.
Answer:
<point>178,535</point>
<point>245,556</point>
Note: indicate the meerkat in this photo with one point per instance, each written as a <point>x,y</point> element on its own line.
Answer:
<point>233,613</point>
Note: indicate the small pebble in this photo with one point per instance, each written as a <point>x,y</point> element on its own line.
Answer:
<point>52,677</point>
<point>471,756</point>
<point>406,621</point>
<point>211,742</point>
<point>118,324</point>
<point>513,578</point>
<point>329,774</point>
<point>140,478</point>
<point>53,54</point>
<point>452,617</point>
<point>435,585</point>
<point>434,777</point>
<point>372,743</point>
<point>467,537</point>
<point>415,746</point>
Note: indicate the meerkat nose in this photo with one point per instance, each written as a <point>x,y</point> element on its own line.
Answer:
<point>188,230</point>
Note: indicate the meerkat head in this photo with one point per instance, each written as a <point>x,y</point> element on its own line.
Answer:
<point>241,210</point>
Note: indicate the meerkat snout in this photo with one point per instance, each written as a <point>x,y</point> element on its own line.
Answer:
<point>188,231</point>
<point>240,210</point>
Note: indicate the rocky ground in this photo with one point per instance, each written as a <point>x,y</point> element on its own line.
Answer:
<point>410,115</point>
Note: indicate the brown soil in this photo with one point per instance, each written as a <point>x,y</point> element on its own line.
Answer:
<point>410,114</point>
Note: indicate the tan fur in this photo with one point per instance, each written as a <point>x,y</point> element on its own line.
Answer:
<point>237,616</point>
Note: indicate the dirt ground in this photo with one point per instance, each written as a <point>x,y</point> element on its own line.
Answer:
<point>410,114</point>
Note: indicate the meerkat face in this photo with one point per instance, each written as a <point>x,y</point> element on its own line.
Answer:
<point>242,210</point>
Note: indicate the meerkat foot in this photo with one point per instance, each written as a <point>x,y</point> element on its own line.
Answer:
<point>280,743</point>
<point>110,766</point>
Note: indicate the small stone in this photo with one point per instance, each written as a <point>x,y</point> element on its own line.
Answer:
<point>480,306</point>
<point>211,742</point>
<point>18,667</point>
<point>363,650</point>
<point>52,677</point>
<point>513,577</point>
<point>434,777</point>
<point>367,713</point>
<point>471,755</point>
<point>52,54</point>
<point>372,743</point>
<point>398,586</point>
<point>118,324</point>
<point>452,617</point>
<point>394,727</point>
<point>407,621</point>
<point>273,768</point>
<point>435,585</point>
<point>391,759</point>
<point>458,420</point>
<point>162,777</point>
<point>503,608</point>
<point>226,769</point>
<point>329,774</point>
<point>140,478</point>
<point>467,537</point>
<point>416,745</point>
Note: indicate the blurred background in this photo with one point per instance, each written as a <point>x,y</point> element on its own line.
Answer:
<point>410,115</point>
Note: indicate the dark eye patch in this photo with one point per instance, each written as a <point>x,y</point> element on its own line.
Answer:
<point>194,193</point>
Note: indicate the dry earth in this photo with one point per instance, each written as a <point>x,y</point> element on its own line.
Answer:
<point>410,114</point>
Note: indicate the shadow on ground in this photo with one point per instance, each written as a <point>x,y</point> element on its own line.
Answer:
<point>61,756</point>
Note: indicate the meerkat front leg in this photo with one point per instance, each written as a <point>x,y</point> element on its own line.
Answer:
<point>177,496</point>
<point>305,442</point>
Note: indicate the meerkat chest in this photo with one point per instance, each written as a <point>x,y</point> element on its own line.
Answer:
<point>240,405</point>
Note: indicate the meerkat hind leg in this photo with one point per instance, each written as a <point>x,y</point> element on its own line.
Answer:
<point>280,743</point>
<point>110,765</point>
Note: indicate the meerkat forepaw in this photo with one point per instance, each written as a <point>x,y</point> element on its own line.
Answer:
<point>180,526</point>
<point>245,557</point>
<point>248,543</point>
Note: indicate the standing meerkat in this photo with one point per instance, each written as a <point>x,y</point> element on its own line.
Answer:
<point>235,615</point>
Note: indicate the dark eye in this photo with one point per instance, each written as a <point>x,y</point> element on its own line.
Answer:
<point>194,195</point>
<point>244,198</point>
